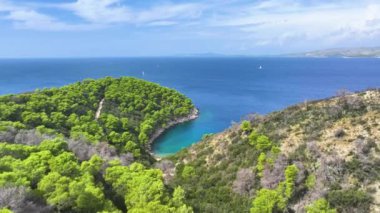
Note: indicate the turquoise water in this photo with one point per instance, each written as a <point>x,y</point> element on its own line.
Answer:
<point>224,89</point>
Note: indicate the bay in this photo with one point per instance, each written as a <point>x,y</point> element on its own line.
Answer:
<point>224,89</point>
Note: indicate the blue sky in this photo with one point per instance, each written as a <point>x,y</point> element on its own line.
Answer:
<point>107,28</point>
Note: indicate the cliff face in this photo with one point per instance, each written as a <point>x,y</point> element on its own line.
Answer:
<point>334,145</point>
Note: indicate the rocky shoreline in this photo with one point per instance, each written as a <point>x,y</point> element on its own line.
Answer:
<point>192,116</point>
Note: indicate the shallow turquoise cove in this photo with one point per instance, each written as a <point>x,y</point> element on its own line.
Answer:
<point>224,89</point>
<point>183,135</point>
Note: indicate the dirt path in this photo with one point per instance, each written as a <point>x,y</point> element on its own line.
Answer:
<point>97,115</point>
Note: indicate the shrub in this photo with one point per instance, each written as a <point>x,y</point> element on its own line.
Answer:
<point>206,136</point>
<point>5,210</point>
<point>266,201</point>
<point>276,200</point>
<point>246,126</point>
<point>261,161</point>
<point>339,133</point>
<point>263,143</point>
<point>362,169</point>
<point>260,142</point>
<point>320,206</point>
<point>310,181</point>
<point>346,200</point>
<point>188,172</point>
<point>55,146</point>
<point>290,178</point>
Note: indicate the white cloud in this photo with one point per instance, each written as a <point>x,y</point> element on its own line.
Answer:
<point>26,18</point>
<point>98,14</point>
<point>285,22</point>
<point>100,11</point>
<point>170,11</point>
<point>162,23</point>
<point>260,23</point>
<point>114,12</point>
<point>29,19</point>
<point>275,5</point>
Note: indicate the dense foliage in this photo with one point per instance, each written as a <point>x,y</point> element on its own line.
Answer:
<point>132,110</point>
<point>83,148</point>
<point>71,149</point>
<point>320,206</point>
<point>52,178</point>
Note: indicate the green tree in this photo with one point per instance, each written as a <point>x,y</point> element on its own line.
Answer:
<point>261,161</point>
<point>260,142</point>
<point>188,172</point>
<point>132,147</point>
<point>263,143</point>
<point>290,177</point>
<point>310,181</point>
<point>65,164</point>
<point>246,126</point>
<point>15,178</point>
<point>36,166</point>
<point>55,189</point>
<point>178,201</point>
<point>274,200</point>
<point>5,210</point>
<point>320,206</point>
<point>55,146</point>
<point>58,119</point>
<point>143,189</point>
<point>92,166</point>
<point>86,195</point>
<point>266,201</point>
<point>112,123</point>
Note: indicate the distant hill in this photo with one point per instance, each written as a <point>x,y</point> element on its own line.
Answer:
<point>209,55</point>
<point>343,52</point>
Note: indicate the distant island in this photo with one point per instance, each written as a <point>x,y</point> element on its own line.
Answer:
<point>356,52</point>
<point>363,52</point>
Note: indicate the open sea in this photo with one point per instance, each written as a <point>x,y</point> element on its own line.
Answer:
<point>224,89</point>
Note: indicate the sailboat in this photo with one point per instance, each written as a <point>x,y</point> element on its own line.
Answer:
<point>143,73</point>
<point>260,67</point>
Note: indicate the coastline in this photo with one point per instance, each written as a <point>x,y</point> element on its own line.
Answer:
<point>194,114</point>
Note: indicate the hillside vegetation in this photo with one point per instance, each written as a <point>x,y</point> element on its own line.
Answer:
<point>321,156</point>
<point>84,148</point>
<point>130,113</point>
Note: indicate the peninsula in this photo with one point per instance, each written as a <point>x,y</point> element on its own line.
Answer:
<point>364,52</point>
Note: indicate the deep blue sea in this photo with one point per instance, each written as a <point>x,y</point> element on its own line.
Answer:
<point>224,89</point>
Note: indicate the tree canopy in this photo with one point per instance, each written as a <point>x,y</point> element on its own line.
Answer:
<point>59,154</point>
<point>132,110</point>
